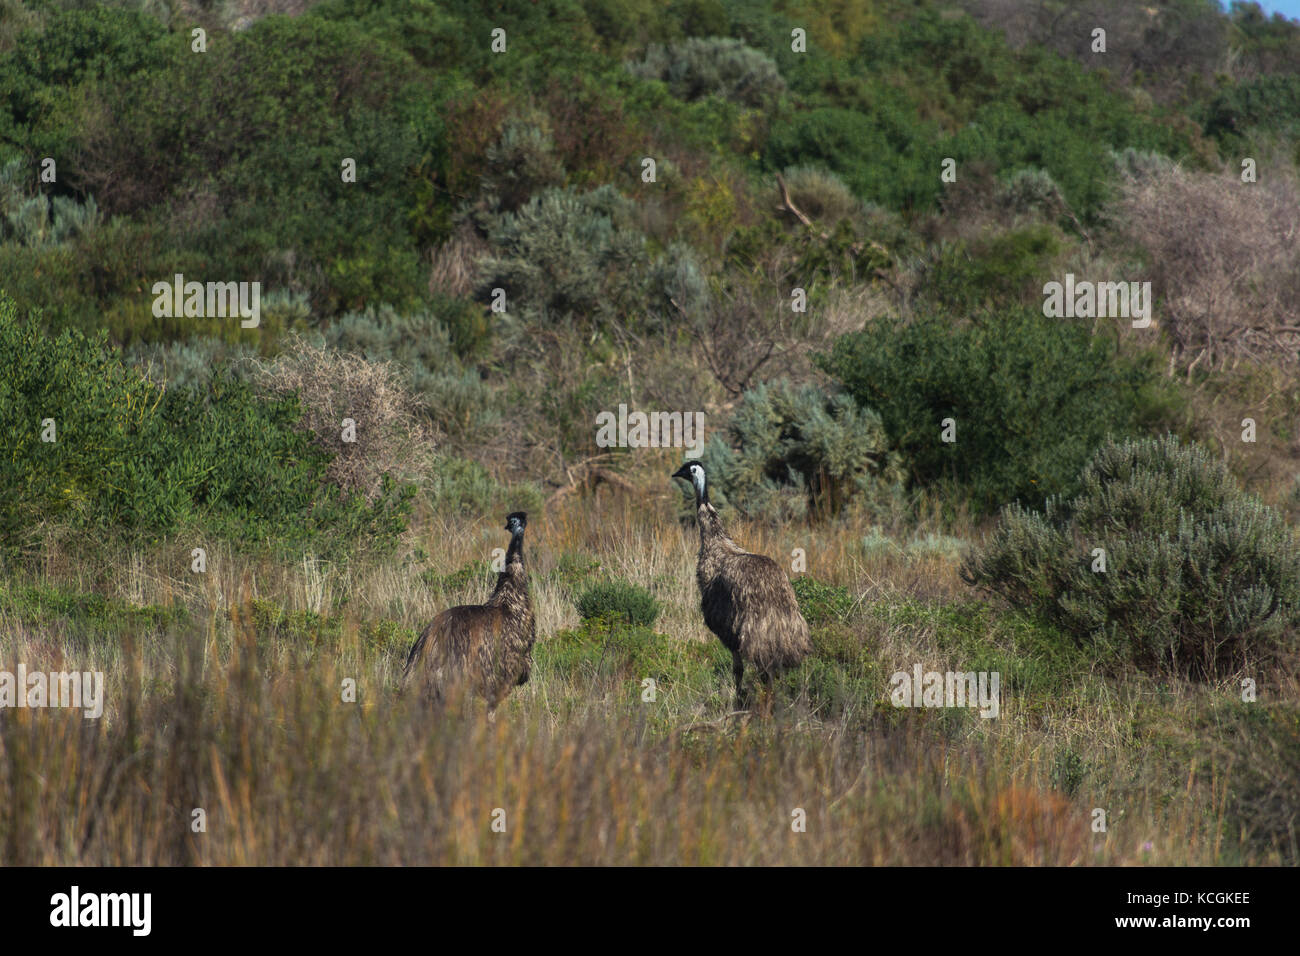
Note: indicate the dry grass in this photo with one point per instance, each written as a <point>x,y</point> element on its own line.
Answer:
<point>221,713</point>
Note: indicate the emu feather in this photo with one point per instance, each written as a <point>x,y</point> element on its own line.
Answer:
<point>483,649</point>
<point>746,598</point>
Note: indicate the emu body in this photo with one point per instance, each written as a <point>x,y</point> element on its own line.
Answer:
<point>746,598</point>
<point>481,649</point>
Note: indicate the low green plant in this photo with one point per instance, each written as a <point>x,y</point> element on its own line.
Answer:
<point>615,599</point>
<point>713,66</point>
<point>822,603</point>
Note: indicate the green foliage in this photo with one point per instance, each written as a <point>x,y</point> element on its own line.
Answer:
<point>1200,578</point>
<point>466,487</point>
<point>522,162</point>
<point>861,149</point>
<point>38,220</point>
<point>821,194</point>
<point>567,255</point>
<point>617,600</point>
<point>461,578</point>
<point>573,569</point>
<point>88,615</point>
<point>276,625</point>
<point>930,86</point>
<point>821,603</point>
<point>1032,656</point>
<point>998,269</point>
<point>244,154</point>
<point>793,451</point>
<point>1031,398</point>
<point>132,456</point>
<point>189,366</point>
<point>43,74</point>
<point>1266,104</point>
<point>713,66</point>
<point>601,647</point>
<point>430,344</point>
<point>1032,191</point>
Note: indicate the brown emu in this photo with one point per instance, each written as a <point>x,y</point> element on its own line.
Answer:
<point>746,598</point>
<point>485,649</point>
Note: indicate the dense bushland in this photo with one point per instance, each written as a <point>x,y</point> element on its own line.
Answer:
<point>1024,399</point>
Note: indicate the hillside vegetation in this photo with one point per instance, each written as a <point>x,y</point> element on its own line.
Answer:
<point>826,228</point>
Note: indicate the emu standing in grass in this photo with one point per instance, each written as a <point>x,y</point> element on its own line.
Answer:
<point>746,598</point>
<point>481,648</point>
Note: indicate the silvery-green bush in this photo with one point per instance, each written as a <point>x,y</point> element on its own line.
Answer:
<point>713,66</point>
<point>190,365</point>
<point>1200,578</point>
<point>566,256</point>
<point>455,396</point>
<point>789,451</point>
<point>37,220</point>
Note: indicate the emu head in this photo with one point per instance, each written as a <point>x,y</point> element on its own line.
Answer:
<point>693,471</point>
<point>516,521</point>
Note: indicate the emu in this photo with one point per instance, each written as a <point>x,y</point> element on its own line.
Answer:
<point>485,649</point>
<point>746,598</point>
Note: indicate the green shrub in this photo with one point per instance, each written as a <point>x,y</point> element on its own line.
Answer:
<point>1266,103</point>
<point>132,456</point>
<point>789,451</point>
<point>1200,578</point>
<point>573,569</point>
<point>1031,398</point>
<point>50,61</point>
<point>862,149</point>
<point>461,486</point>
<point>821,194</point>
<point>520,163</point>
<point>1032,191</point>
<point>467,574</point>
<point>191,365</point>
<point>995,270</point>
<point>928,86</point>
<point>34,219</point>
<point>600,647</point>
<point>89,615</point>
<point>615,599</point>
<point>259,174</point>
<point>821,603</point>
<point>713,66</point>
<point>566,255</point>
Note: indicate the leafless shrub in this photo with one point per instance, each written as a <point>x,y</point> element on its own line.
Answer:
<point>1224,257</point>
<point>391,436</point>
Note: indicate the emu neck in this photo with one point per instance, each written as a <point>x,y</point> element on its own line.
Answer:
<point>515,553</point>
<point>513,577</point>
<point>712,534</point>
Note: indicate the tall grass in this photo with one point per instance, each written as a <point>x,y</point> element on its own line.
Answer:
<point>225,693</point>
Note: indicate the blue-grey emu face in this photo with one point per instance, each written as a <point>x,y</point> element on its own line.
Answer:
<point>693,472</point>
<point>516,522</point>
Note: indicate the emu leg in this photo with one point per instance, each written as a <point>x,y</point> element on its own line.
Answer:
<point>738,669</point>
<point>769,695</point>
